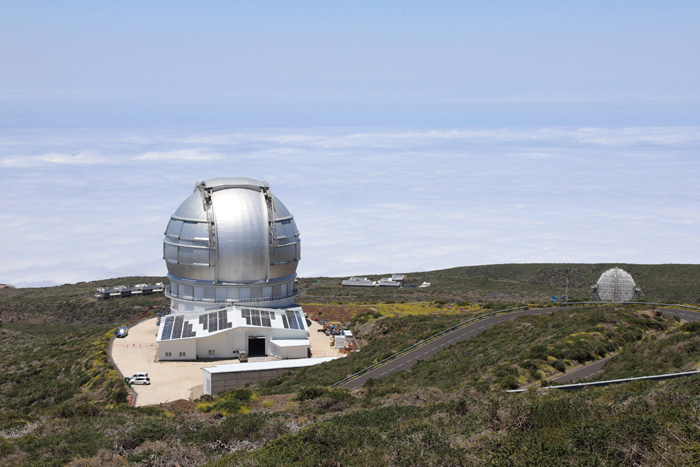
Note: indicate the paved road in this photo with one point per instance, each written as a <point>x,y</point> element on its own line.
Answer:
<point>687,315</point>
<point>406,361</point>
<point>583,372</point>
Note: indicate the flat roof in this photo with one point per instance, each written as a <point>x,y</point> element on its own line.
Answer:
<point>289,342</point>
<point>273,365</point>
<point>194,325</point>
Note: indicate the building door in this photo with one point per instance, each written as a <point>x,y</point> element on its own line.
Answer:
<point>256,346</point>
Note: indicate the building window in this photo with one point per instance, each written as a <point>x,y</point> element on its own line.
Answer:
<point>211,353</point>
<point>182,354</point>
<point>168,354</point>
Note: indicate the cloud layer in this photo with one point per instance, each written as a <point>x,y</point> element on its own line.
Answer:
<point>91,204</point>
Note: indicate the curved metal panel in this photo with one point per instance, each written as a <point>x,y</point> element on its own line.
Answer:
<point>242,236</point>
<point>281,211</point>
<point>192,208</point>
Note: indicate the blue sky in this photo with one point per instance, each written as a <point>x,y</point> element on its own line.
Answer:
<point>404,136</point>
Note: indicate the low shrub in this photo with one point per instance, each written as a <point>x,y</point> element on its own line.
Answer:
<point>228,402</point>
<point>693,327</point>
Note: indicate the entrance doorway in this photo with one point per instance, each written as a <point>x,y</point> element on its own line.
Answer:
<point>256,346</point>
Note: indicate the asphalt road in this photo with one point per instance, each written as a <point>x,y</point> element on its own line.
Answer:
<point>687,315</point>
<point>406,361</point>
<point>583,372</point>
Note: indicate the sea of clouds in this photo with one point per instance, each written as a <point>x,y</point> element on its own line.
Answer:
<point>87,204</point>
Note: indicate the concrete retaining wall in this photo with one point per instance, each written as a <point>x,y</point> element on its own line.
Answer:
<point>219,382</point>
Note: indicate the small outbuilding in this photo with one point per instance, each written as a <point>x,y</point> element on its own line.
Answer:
<point>358,282</point>
<point>221,378</point>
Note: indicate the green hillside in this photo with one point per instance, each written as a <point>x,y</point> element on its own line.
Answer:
<point>62,403</point>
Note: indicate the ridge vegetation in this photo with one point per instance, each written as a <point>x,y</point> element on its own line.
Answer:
<point>513,283</point>
<point>62,402</point>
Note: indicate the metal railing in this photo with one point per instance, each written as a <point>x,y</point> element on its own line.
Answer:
<point>169,294</point>
<point>613,381</point>
<point>599,303</point>
<point>420,343</point>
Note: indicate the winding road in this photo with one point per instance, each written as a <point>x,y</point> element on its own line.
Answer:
<point>407,360</point>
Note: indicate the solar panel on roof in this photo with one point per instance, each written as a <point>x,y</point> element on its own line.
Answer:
<point>203,320</point>
<point>265,318</point>
<point>167,328</point>
<point>245,313</point>
<point>213,326</point>
<point>256,317</point>
<point>188,331</point>
<point>223,320</point>
<point>177,327</point>
<point>284,321</point>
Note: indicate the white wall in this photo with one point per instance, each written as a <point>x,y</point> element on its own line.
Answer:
<point>175,348</point>
<point>297,351</point>
<point>223,344</point>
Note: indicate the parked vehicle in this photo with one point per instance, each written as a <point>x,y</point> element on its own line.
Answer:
<point>242,357</point>
<point>123,331</point>
<point>140,380</point>
<point>138,375</point>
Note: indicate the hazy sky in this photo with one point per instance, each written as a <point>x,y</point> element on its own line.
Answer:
<point>403,136</point>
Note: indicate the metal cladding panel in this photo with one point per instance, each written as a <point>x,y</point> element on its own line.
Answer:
<point>242,235</point>
<point>195,231</point>
<point>285,257</point>
<point>281,211</point>
<point>201,273</point>
<point>174,228</point>
<point>183,260</point>
<point>285,253</point>
<point>278,271</point>
<point>170,253</point>
<point>192,208</point>
<point>284,229</point>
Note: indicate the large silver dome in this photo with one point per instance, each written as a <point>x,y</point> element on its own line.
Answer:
<point>615,285</point>
<point>231,232</point>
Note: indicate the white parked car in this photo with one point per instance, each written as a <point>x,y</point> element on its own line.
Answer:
<point>140,380</point>
<point>139,375</point>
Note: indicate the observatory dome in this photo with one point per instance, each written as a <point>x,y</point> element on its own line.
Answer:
<point>231,241</point>
<point>615,285</point>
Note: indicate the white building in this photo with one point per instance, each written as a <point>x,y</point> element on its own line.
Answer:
<point>217,334</point>
<point>232,249</point>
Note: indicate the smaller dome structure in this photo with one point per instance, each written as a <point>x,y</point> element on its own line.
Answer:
<point>615,285</point>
